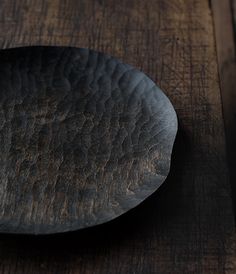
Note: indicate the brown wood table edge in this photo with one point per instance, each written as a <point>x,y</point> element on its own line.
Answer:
<point>225,48</point>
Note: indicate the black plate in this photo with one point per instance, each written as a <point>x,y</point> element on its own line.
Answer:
<point>83,138</point>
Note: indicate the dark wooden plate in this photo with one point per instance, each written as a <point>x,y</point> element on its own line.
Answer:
<point>83,138</point>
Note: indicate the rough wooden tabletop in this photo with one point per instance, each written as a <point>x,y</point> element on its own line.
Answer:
<point>188,225</point>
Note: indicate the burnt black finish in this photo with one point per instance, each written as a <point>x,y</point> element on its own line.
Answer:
<point>84,138</point>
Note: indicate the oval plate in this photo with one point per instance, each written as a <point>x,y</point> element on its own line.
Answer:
<point>84,138</point>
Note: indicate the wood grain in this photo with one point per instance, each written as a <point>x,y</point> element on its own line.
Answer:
<point>187,226</point>
<point>224,22</point>
<point>233,12</point>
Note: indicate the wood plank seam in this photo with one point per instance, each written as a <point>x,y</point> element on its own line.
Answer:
<point>225,46</point>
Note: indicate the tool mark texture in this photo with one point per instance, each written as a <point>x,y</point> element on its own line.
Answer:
<point>84,138</point>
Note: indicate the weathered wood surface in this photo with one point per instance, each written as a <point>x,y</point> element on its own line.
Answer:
<point>187,226</point>
<point>232,7</point>
<point>84,137</point>
<point>225,24</point>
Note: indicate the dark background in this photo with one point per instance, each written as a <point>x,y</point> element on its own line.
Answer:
<point>187,47</point>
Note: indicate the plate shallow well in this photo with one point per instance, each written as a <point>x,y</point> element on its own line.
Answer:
<point>83,138</point>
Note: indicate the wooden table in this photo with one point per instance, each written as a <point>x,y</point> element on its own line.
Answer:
<point>188,225</point>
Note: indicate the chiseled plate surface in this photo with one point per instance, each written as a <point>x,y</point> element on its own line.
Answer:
<point>83,138</point>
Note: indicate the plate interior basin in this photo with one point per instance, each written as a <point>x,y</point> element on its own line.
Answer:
<point>83,138</point>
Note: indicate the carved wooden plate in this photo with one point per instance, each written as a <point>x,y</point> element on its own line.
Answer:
<point>83,138</point>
